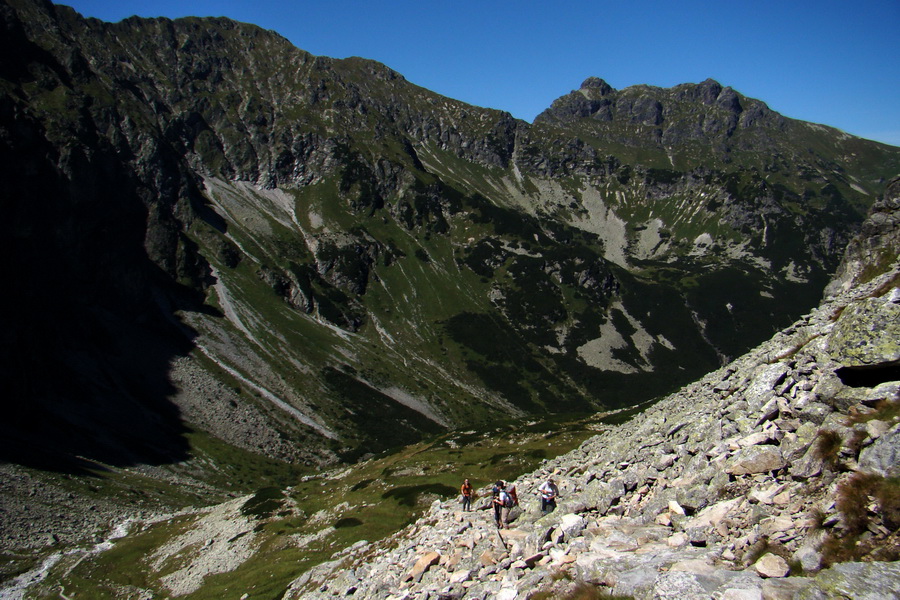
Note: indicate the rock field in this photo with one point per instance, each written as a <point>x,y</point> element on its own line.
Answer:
<point>730,489</point>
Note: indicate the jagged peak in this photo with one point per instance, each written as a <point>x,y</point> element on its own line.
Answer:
<point>595,83</point>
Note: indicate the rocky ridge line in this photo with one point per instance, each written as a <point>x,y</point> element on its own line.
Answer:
<point>721,490</point>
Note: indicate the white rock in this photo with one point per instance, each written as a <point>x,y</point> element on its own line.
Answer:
<point>772,565</point>
<point>675,508</point>
<point>507,593</point>
<point>572,525</point>
<point>754,439</point>
<point>461,576</point>
<point>753,594</point>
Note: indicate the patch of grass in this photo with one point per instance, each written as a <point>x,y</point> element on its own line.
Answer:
<point>370,501</point>
<point>763,547</point>
<point>816,520</point>
<point>828,447</point>
<point>347,522</point>
<point>882,263</point>
<point>361,485</point>
<point>125,564</point>
<point>885,410</point>
<point>863,525</point>
<point>408,495</point>
<point>852,501</point>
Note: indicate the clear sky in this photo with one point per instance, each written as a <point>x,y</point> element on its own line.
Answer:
<point>835,62</point>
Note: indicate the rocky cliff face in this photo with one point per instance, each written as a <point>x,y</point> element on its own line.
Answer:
<point>313,259</point>
<point>772,477</point>
<point>877,244</point>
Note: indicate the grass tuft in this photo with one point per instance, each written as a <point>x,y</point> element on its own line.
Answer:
<point>870,515</point>
<point>828,447</point>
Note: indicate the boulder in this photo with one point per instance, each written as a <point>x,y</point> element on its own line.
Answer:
<point>784,589</point>
<point>755,459</point>
<point>460,576</point>
<point>572,525</point>
<point>745,594</point>
<point>860,581</point>
<point>810,465</point>
<point>425,562</point>
<point>772,565</point>
<point>867,334</point>
<point>883,457</point>
<point>683,585</point>
<point>602,495</point>
<point>808,555</point>
<point>765,379</point>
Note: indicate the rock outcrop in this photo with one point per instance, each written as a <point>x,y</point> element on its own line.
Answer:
<point>877,245</point>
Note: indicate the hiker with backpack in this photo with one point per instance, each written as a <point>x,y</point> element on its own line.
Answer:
<point>495,500</point>
<point>504,500</point>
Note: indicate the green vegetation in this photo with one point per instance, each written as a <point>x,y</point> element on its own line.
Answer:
<point>302,525</point>
<point>869,504</point>
<point>865,501</point>
<point>394,265</point>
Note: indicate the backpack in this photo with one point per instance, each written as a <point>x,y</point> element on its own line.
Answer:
<point>513,497</point>
<point>506,499</point>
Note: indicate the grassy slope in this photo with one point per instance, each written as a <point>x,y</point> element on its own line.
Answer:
<point>368,501</point>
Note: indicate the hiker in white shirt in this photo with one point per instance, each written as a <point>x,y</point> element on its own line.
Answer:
<point>549,492</point>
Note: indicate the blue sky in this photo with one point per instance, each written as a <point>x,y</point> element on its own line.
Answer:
<point>835,62</point>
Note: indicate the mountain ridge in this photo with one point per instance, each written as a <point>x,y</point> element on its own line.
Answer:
<point>209,188</point>
<point>237,264</point>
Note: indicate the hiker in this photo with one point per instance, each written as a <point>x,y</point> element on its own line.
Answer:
<point>503,503</point>
<point>496,501</point>
<point>466,491</point>
<point>549,492</point>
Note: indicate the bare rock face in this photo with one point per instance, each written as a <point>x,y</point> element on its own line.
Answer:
<point>861,581</point>
<point>756,459</point>
<point>877,245</point>
<point>883,456</point>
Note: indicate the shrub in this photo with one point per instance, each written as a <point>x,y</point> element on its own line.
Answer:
<point>828,447</point>
<point>852,502</point>
<point>866,535</point>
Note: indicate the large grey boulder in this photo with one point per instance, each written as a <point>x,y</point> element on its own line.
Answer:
<point>681,585</point>
<point>883,457</point>
<point>867,334</point>
<point>601,495</point>
<point>860,581</point>
<point>756,459</point>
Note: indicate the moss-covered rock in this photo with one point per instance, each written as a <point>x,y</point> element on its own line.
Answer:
<point>868,334</point>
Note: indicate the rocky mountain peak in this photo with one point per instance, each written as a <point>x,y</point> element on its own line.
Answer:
<point>599,86</point>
